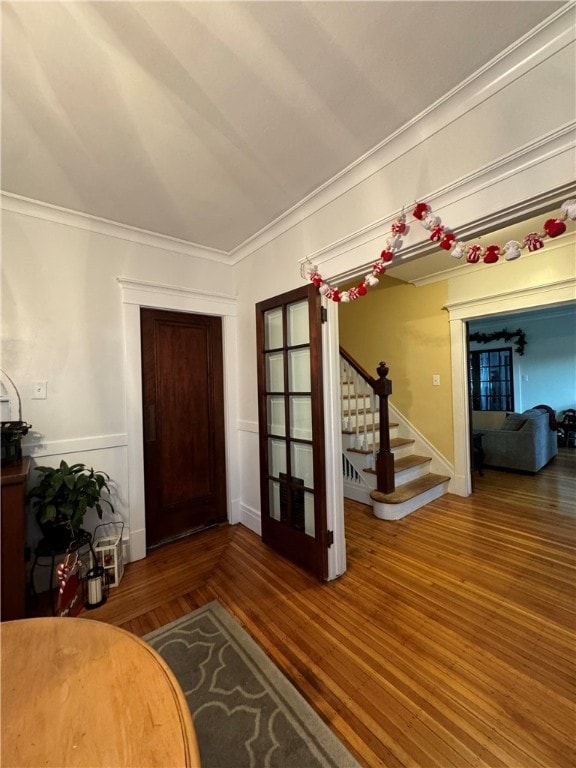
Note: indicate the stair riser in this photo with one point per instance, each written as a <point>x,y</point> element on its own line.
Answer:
<point>369,432</point>
<point>352,397</point>
<point>366,460</point>
<point>398,511</point>
<point>403,450</point>
<point>412,473</point>
<point>360,462</point>
<point>362,419</point>
<point>351,440</point>
<point>404,476</point>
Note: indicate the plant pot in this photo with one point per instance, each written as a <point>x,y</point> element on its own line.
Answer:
<point>57,536</point>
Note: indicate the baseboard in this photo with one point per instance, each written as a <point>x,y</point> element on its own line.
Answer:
<point>357,493</point>
<point>251,519</point>
<point>137,545</point>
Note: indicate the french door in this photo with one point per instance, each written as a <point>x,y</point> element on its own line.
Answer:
<point>291,428</point>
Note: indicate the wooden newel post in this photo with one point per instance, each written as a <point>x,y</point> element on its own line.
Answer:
<point>384,457</point>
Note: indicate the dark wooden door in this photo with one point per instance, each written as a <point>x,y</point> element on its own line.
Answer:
<point>291,425</point>
<point>183,410</point>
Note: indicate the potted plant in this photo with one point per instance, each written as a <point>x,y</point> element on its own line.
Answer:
<point>63,496</point>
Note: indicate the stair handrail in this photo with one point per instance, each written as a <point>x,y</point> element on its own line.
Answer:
<point>382,387</point>
<point>357,367</point>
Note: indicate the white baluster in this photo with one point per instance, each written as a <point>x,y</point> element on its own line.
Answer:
<point>357,409</point>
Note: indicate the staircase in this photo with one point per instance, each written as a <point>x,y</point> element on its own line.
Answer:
<point>415,485</point>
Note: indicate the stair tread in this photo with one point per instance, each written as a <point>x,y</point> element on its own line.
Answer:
<point>395,442</point>
<point>409,490</point>
<point>357,395</point>
<point>365,428</point>
<point>413,460</point>
<point>406,462</point>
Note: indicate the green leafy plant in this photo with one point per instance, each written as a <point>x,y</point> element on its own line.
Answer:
<point>65,493</point>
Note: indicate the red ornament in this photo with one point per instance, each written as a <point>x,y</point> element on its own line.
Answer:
<point>534,241</point>
<point>420,211</point>
<point>437,233</point>
<point>362,290</point>
<point>387,255</point>
<point>473,254</point>
<point>492,254</point>
<point>447,241</point>
<point>379,269</point>
<point>317,279</point>
<point>554,227</point>
<point>399,226</point>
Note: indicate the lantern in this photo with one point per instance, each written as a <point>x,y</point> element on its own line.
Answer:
<point>95,587</point>
<point>108,550</point>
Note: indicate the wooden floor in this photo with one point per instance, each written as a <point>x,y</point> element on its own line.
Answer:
<point>450,641</point>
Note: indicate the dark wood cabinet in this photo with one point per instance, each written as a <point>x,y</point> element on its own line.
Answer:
<point>13,539</point>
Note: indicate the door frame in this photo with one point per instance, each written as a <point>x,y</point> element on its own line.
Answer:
<point>555,292</point>
<point>137,294</point>
<point>333,440</point>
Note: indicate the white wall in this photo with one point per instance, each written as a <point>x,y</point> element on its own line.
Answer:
<point>546,372</point>
<point>62,322</point>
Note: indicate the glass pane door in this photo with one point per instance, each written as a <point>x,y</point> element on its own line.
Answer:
<point>291,428</point>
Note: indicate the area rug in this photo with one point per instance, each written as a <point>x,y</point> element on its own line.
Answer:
<point>246,713</point>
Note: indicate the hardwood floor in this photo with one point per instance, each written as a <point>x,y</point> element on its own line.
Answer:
<point>450,640</point>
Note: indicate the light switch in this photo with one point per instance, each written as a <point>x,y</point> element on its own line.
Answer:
<point>436,380</point>
<point>39,390</point>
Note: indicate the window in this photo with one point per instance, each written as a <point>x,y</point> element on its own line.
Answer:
<point>491,384</point>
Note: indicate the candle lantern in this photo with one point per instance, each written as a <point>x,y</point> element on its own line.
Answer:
<point>108,550</point>
<point>95,587</point>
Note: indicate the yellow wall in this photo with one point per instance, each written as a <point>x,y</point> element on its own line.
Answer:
<point>405,326</point>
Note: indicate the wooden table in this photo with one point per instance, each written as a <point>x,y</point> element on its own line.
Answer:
<point>77,692</point>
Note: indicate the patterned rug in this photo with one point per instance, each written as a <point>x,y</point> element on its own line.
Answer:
<point>246,713</point>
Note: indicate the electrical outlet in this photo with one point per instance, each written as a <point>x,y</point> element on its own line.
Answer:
<point>39,390</point>
<point>436,380</point>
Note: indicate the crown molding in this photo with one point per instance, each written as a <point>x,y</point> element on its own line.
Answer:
<point>534,48</point>
<point>37,209</point>
<point>555,143</point>
<point>144,293</point>
<point>558,145</point>
<point>554,292</point>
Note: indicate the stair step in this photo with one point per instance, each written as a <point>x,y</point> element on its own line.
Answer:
<point>395,442</point>
<point>409,490</point>
<point>406,462</point>
<point>357,396</point>
<point>366,428</point>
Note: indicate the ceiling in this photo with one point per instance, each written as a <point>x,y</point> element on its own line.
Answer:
<point>206,121</point>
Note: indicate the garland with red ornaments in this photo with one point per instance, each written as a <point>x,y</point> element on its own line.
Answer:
<point>446,239</point>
